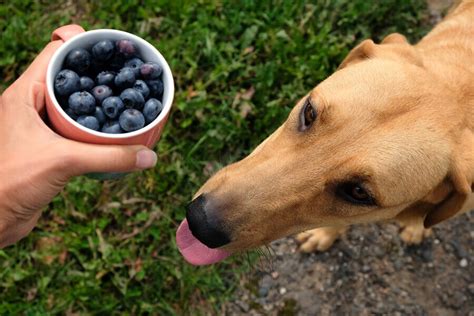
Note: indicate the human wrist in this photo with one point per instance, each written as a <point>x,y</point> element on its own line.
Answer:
<point>5,223</point>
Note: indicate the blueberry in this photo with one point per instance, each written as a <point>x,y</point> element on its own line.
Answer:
<point>126,48</point>
<point>89,122</point>
<point>66,82</point>
<point>125,78</point>
<point>96,67</point>
<point>112,106</point>
<point>112,127</point>
<point>105,77</point>
<point>99,115</point>
<point>141,87</point>
<point>116,63</point>
<point>132,99</point>
<point>131,120</point>
<point>103,50</point>
<point>82,102</point>
<point>86,83</point>
<point>135,64</point>
<point>150,70</point>
<point>78,60</point>
<point>152,109</point>
<point>71,113</point>
<point>101,92</point>
<point>156,88</point>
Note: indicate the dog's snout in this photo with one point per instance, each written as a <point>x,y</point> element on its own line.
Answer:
<point>205,228</point>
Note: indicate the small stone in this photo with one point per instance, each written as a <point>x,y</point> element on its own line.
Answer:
<point>378,251</point>
<point>459,249</point>
<point>471,288</point>
<point>365,268</point>
<point>263,291</point>
<point>244,307</point>
<point>282,290</point>
<point>268,307</point>
<point>265,285</point>
<point>463,263</point>
<point>397,264</point>
<point>275,275</point>
<point>427,255</point>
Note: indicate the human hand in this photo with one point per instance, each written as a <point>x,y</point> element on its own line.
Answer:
<point>36,163</point>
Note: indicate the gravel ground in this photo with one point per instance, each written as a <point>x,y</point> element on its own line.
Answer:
<point>370,271</point>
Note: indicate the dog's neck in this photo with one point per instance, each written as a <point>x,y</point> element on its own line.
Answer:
<point>452,43</point>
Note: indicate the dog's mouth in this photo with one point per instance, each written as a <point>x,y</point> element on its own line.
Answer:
<point>194,251</point>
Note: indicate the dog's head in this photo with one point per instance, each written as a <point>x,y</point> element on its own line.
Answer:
<point>377,136</point>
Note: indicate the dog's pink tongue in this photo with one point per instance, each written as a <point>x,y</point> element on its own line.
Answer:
<point>194,251</point>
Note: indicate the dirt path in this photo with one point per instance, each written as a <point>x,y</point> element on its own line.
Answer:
<point>368,272</point>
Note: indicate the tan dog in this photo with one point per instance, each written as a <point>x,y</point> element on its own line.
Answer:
<point>390,135</point>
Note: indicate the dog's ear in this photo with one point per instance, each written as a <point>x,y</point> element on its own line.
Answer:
<point>365,50</point>
<point>461,177</point>
<point>393,46</point>
<point>395,38</point>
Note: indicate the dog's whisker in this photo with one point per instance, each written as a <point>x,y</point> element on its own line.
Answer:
<point>271,255</point>
<point>250,264</point>
<point>265,259</point>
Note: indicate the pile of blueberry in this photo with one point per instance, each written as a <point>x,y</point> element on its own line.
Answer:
<point>109,88</point>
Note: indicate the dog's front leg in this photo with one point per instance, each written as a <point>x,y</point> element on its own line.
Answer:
<point>411,223</point>
<point>413,232</point>
<point>319,239</point>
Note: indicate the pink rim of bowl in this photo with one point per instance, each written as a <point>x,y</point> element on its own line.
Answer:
<point>67,127</point>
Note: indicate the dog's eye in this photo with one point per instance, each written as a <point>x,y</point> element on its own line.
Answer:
<point>355,193</point>
<point>308,115</point>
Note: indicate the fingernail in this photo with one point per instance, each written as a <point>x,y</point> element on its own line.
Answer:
<point>146,159</point>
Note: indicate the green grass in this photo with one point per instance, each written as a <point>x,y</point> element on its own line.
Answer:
<point>108,247</point>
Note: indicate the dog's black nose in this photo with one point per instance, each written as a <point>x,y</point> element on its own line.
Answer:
<point>204,228</point>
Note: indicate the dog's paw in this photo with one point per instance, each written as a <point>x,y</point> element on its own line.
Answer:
<point>414,234</point>
<point>319,239</point>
